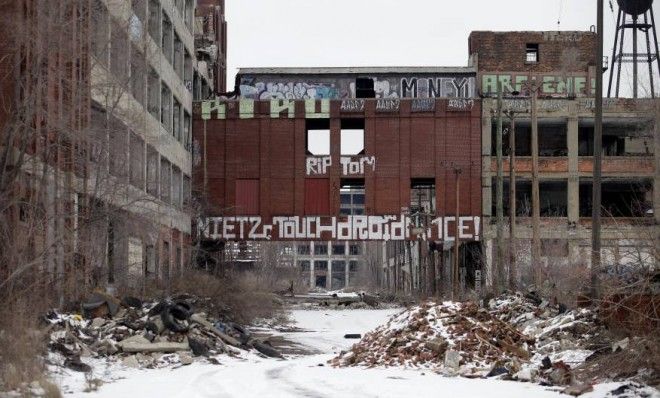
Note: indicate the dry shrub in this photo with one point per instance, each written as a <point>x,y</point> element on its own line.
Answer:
<point>239,296</point>
<point>22,345</point>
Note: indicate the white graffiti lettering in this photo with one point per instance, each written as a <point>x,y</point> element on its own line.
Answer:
<point>388,227</point>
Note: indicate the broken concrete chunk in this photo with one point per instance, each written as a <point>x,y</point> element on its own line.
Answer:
<point>97,323</point>
<point>620,345</point>
<point>131,362</point>
<point>137,339</point>
<point>154,347</point>
<point>198,318</point>
<point>185,358</point>
<point>452,360</point>
<point>438,345</point>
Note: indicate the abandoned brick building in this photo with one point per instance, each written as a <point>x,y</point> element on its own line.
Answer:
<point>324,157</point>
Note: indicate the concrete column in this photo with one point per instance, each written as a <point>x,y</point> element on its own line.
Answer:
<point>486,143</point>
<point>573,198</point>
<point>328,279</point>
<point>312,278</point>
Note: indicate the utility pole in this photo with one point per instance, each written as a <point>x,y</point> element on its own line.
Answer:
<point>512,202</point>
<point>499,269</point>
<point>457,172</point>
<point>536,208</point>
<point>598,148</point>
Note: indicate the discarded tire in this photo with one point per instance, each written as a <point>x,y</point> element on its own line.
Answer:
<point>157,309</point>
<point>181,310</point>
<point>172,322</point>
<point>198,347</point>
<point>243,334</point>
<point>131,302</point>
<point>266,349</point>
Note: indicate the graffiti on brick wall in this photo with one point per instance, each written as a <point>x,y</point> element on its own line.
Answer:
<point>350,165</point>
<point>379,228</point>
<point>343,87</point>
<point>551,85</point>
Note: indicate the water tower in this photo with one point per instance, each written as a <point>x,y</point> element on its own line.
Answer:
<point>635,17</point>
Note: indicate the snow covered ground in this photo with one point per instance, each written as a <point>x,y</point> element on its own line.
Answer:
<point>301,376</point>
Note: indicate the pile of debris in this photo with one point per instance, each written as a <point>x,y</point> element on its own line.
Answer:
<point>519,337</point>
<point>146,334</point>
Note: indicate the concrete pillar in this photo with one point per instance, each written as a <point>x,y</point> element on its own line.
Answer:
<point>486,138</point>
<point>573,198</point>
<point>328,279</point>
<point>312,278</point>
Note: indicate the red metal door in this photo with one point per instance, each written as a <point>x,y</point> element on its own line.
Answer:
<point>247,197</point>
<point>317,196</point>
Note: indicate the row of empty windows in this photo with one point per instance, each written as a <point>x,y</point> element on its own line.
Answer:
<point>337,249</point>
<point>618,198</point>
<point>352,196</point>
<point>318,137</point>
<point>131,160</point>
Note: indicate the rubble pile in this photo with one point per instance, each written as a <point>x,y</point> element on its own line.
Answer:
<point>513,336</point>
<point>146,334</point>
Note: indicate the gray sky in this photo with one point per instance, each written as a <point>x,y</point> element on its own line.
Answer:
<point>387,32</point>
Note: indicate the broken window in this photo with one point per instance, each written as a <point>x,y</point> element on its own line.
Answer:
<point>630,138</point>
<point>178,56</point>
<point>138,73</point>
<point>619,198</point>
<point>317,138</point>
<point>188,71</point>
<point>186,191</point>
<point>153,94</point>
<point>154,21</point>
<point>532,53</point>
<point>422,196</point>
<point>354,249</point>
<point>167,35</point>
<point>320,265</point>
<point>552,194</point>
<point>166,107</point>
<point>338,274</point>
<point>351,197</point>
<point>152,171</point>
<point>321,248</point>
<point>352,136</point>
<point>364,88</point>
<point>186,130</point>
<point>118,154</point>
<point>176,186</point>
<point>165,181</point>
<point>176,120</point>
<point>137,161</point>
<point>552,139</point>
<point>304,265</point>
<point>338,249</point>
<point>303,249</point>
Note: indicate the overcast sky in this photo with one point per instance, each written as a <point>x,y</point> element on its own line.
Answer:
<point>263,33</point>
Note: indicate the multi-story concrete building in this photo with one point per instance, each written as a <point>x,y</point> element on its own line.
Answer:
<point>563,65</point>
<point>128,181</point>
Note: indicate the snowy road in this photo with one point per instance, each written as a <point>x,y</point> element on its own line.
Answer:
<point>309,375</point>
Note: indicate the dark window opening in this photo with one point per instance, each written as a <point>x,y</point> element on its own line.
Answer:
<point>618,198</point>
<point>317,137</point>
<point>338,274</point>
<point>553,197</point>
<point>552,140</point>
<point>304,265</point>
<point>321,248</point>
<point>320,281</point>
<point>352,136</point>
<point>617,141</point>
<point>422,196</point>
<point>321,265</point>
<point>351,197</point>
<point>532,53</point>
<point>303,249</point>
<point>364,88</point>
<point>338,249</point>
<point>354,249</point>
